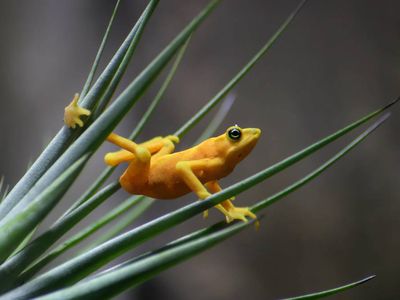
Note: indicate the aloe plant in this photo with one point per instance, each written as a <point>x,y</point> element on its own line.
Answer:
<point>25,253</point>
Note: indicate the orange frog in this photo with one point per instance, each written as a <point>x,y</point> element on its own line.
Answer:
<point>155,171</point>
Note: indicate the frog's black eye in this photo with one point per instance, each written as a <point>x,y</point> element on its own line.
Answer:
<point>234,134</point>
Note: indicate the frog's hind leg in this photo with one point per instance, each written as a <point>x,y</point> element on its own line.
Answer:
<point>230,211</point>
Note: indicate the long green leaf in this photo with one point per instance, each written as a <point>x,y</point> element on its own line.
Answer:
<point>79,267</point>
<point>66,135</point>
<point>115,282</point>
<point>99,54</point>
<point>331,292</point>
<point>12,267</point>
<point>13,232</point>
<point>95,134</point>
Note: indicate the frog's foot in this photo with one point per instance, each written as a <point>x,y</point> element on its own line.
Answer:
<point>240,213</point>
<point>73,112</point>
<point>237,213</point>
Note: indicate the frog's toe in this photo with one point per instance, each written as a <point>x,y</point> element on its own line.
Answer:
<point>173,138</point>
<point>239,213</point>
<point>142,154</point>
<point>73,112</point>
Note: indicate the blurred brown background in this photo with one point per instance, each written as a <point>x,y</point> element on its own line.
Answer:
<point>338,61</point>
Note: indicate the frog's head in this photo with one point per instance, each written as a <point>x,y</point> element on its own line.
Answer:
<point>238,143</point>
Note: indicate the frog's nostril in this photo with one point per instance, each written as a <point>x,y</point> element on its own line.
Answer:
<point>256,132</point>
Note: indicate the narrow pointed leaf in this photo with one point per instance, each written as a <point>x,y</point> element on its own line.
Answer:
<point>99,54</point>
<point>331,292</point>
<point>24,242</point>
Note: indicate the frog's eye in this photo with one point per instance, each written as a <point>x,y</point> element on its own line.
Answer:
<point>234,134</point>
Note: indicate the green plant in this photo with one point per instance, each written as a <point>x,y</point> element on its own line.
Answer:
<point>52,174</point>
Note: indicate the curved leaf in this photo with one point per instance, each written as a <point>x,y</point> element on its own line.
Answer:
<point>99,54</point>
<point>334,291</point>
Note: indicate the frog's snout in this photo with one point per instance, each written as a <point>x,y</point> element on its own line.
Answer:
<point>256,132</point>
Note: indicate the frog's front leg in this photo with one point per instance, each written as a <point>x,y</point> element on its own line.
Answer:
<point>129,150</point>
<point>156,146</point>
<point>187,170</point>
<point>139,164</point>
<point>73,113</point>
